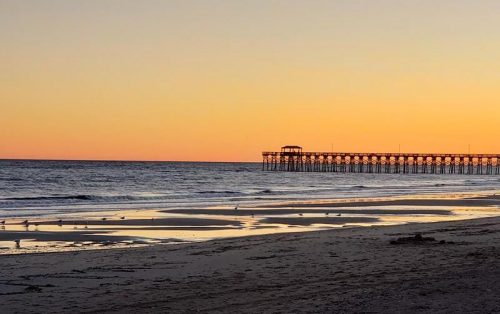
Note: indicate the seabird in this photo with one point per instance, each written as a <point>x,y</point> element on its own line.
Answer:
<point>300,214</point>
<point>236,207</point>
<point>25,222</point>
<point>59,222</point>
<point>327,213</point>
<point>18,243</point>
<point>339,214</point>
<point>122,217</point>
<point>2,222</point>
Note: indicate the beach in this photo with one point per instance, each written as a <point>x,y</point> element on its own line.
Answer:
<point>342,270</point>
<point>226,238</point>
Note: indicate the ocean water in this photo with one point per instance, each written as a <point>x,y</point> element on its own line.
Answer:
<point>34,188</point>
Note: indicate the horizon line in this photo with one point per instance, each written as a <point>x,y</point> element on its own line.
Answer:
<point>123,160</point>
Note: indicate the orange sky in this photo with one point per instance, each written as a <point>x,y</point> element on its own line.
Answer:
<point>224,80</point>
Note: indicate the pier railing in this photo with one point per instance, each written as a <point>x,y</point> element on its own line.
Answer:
<point>294,159</point>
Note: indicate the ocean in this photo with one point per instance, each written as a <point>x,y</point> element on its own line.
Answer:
<point>40,188</point>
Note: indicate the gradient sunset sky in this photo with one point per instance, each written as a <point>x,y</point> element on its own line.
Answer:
<point>225,80</point>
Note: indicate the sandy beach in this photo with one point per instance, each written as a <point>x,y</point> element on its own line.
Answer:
<point>342,270</point>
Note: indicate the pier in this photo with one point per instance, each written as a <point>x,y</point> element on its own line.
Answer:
<point>293,158</point>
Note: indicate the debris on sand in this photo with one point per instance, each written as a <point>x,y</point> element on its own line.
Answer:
<point>33,289</point>
<point>417,239</point>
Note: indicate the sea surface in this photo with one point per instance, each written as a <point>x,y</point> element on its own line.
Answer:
<point>39,188</point>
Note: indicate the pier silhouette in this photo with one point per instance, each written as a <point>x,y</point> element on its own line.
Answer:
<point>293,158</point>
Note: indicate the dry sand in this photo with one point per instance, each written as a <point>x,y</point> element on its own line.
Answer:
<point>343,270</point>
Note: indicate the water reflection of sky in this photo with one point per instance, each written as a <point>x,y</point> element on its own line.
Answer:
<point>138,227</point>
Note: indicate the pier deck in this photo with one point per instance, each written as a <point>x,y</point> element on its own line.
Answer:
<point>292,158</point>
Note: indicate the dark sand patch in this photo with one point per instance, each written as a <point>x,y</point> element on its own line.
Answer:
<point>60,236</point>
<point>167,228</point>
<point>285,211</point>
<point>479,202</point>
<point>485,197</point>
<point>306,221</point>
<point>148,222</point>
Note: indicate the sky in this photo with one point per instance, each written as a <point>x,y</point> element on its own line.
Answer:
<point>224,80</point>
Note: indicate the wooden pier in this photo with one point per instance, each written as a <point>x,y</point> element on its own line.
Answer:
<point>292,158</point>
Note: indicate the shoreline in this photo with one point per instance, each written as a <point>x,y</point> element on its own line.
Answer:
<point>129,228</point>
<point>349,269</point>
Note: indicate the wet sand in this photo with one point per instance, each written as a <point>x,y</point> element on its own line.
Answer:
<point>439,200</point>
<point>127,228</point>
<point>341,270</point>
<point>70,234</point>
<point>173,221</point>
<point>306,221</point>
<point>306,210</point>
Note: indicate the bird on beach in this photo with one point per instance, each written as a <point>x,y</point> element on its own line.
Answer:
<point>339,214</point>
<point>18,243</point>
<point>2,222</point>
<point>86,225</point>
<point>236,207</point>
<point>327,213</point>
<point>122,217</point>
<point>26,222</point>
<point>103,219</point>
<point>252,215</point>
<point>301,214</point>
<point>59,222</point>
